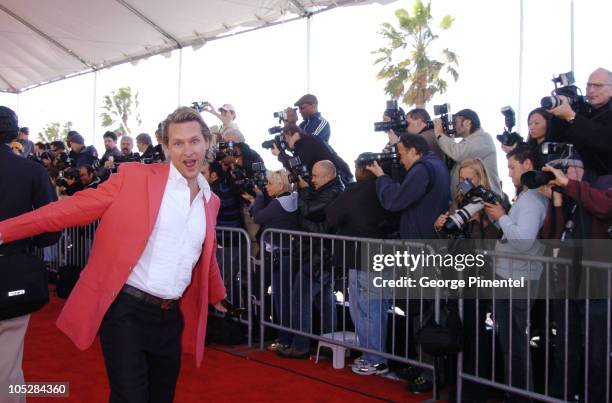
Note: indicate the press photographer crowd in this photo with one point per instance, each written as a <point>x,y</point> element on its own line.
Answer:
<point>435,178</point>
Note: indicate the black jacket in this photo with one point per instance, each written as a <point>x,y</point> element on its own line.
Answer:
<point>591,134</point>
<point>26,186</point>
<point>312,149</point>
<point>358,213</point>
<point>312,205</point>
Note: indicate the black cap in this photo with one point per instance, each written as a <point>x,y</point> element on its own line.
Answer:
<point>25,130</point>
<point>471,116</point>
<point>307,99</point>
<point>9,125</point>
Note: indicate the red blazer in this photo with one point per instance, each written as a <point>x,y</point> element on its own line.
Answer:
<point>127,204</point>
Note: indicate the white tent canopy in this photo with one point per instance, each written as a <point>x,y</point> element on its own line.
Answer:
<point>46,41</point>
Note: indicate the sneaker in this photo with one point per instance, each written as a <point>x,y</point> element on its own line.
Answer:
<point>365,368</point>
<point>289,352</point>
<point>358,361</point>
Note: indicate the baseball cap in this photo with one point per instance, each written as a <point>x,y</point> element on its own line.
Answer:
<point>227,107</point>
<point>77,139</point>
<point>307,99</point>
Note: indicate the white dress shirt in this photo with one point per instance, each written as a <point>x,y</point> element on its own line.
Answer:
<point>164,268</point>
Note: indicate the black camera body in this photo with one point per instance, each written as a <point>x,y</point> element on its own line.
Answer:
<point>259,175</point>
<point>473,201</point>
<point>508,137</point>
<point>282,115</point>
<point>297,169</point>
<point>70,173</point>
<point>398,121</point>
<point>443,112</point>
<point>200,106</point>
<point>278,140</point>
<point>227,148</point>
<point>242,182</point>
<point>564,85</point>
<point>275,130</point>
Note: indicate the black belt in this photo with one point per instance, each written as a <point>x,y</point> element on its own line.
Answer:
<point>148,298</point>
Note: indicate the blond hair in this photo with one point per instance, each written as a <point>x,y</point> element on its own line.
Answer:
<point>280,177</point>
<point>184,114</point>
<point>480,170</point>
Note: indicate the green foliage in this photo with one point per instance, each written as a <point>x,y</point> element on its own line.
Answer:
<point>410,73</point>
<point>120,108</point>
<point>54,131</point>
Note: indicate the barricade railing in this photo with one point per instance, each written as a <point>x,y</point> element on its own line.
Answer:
<point>302,269</point>
<point>546,335</point>
<point>235,264</point>
<point>549,344</point>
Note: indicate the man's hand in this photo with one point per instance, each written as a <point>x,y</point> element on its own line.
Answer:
<point>1,241</point>
<point>302,183</point>
<point>208,107</point>
<point>438,128</point>
<point>375,169</point>
<point>248,197</point>
<point>495,211</point>
<point>507,149</point>
<point>219,306</point>
<point>440,221</point>
<point>275,151</point>
<point>556,197</point>
<point>563,111</point>
<point>291,115</point>
<point>109,164</point>
<point>560,179</point>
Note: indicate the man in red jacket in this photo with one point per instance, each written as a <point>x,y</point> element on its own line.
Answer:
<point>148,297</point>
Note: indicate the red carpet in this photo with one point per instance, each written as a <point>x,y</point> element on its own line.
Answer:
<point>230,374</point>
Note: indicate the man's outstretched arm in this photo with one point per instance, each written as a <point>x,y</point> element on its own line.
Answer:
<point>80,209</point>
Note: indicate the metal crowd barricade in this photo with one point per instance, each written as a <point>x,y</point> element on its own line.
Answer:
<point>563,333</point>
<point>235,262</point>
<point>295,267</point>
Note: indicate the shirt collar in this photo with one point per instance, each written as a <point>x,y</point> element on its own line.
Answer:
<point>176,177</point>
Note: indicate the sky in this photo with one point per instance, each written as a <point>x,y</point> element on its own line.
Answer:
<point>265,71</point>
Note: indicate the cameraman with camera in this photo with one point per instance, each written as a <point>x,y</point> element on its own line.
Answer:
<point>581,209</point>
<point>424,192</point>
<point>476,143</point>
<point>587,126</point>
<point>313,123</point>
<point>313,281</point>
<point>520,227</point>
<point>310,149</point>
<point>419,122</point>
<point>80,154</point>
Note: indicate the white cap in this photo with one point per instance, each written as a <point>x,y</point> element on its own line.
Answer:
<point>227,107</point>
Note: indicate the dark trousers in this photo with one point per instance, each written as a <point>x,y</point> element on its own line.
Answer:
<point>141,344</point>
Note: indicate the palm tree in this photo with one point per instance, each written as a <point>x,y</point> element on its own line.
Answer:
<point>411,74</point>
<point>118,108</point>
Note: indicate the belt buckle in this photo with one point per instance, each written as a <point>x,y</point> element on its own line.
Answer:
<point>166,304</point>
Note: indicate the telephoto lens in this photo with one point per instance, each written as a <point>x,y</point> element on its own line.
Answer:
<point>457,220</point>
<point>535,179</point>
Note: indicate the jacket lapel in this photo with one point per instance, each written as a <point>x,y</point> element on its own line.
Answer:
<point>156,185</point>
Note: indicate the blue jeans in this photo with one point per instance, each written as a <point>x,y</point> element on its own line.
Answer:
<point>309,288</point>
<point>369,314</point>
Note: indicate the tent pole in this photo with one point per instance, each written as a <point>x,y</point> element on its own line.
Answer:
<point>95,96</point>
<point>180,76</point>
<point>519,119</point>
<point>572,34</point>
<point>308,19</point>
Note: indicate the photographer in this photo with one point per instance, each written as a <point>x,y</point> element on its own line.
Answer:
<point>23,139</point>
<point>358,213</point>
<point>144,143</point>
<point>310,149</point>
<point>476,143</point>
<point>313,123</point>
<point>417,120</point>
<point>520,229</point>
<point>88,177</point>
<point>473,235</point>
<point>278,208</point>
<point>589,127</point>
<point>579,211</point>
<point>81,155</point>
<point>110,146</point>
<point>60,156</point>
<point>127,145</point>
<point>26,187</point>
<point>229,130</point>
<point>424,193</point>
<point>312,278</point>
